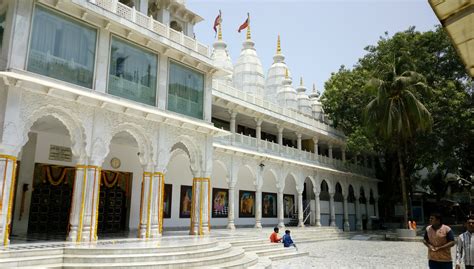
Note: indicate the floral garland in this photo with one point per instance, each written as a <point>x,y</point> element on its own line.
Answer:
<point>109,183</point>
<point>55,181</point>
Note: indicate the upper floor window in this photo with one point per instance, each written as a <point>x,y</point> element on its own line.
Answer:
<point>132,72</point>
<point>131,3</point>
<point>62,48</point>
<point>185,91</point>
<point>176,26</point>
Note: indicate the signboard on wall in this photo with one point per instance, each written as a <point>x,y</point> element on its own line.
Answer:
<point>60,153</point>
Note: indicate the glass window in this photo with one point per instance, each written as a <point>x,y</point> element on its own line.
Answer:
<point>62,48</point>
<point>132,72</point>
<point>185,91</point>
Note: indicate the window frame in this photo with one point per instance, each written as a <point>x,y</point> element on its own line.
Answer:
<point>204,81</point>
<point>72,18</point>
<point>157,57</point>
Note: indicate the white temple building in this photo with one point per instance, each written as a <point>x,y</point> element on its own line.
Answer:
<point>114,119</point>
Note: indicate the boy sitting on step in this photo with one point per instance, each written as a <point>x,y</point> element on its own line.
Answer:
<point>287,241</point>
<point>274,238</point>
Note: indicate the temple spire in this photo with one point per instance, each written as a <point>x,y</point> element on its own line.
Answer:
<point>278,45</point>
<point>301,81</point>
<point>248,27</point>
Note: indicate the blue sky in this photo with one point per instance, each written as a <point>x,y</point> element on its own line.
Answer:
<point>317,37</point>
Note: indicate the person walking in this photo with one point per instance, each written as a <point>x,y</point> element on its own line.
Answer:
<point>465,249</point>
<point>439,239</point>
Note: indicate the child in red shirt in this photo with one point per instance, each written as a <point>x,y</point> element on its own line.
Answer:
<point>274,237</point>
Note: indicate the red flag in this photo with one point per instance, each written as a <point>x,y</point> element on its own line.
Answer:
<point>244,25</point>
<point>217,21</point>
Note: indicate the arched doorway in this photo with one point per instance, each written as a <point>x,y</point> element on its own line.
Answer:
<point>339,206</point>
<point>269,199</point>
<point>245,197</point>
<point>363,208</point>
<point>324,204</point>
<point>44,185</point>
<point>220,195</point>
<point>351,208</point>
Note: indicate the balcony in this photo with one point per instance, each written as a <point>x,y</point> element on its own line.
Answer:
<point>151,24</point>
<point>288,114</point>
<point>270,148</point>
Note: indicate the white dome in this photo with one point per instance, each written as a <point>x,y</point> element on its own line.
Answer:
<point>287,95</point>
<point>248,71</point>
<point>221,58</point>
<point>304,104</point>
<point>276,75</point>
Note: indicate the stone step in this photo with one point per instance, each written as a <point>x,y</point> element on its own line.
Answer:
<point>288,256</point>
<point>249,242</point>
<point>6,254</point>
<point>250,259</point>
<point>31,261</point>
<point>96,257</point>
<point>274,252</point>
<point>263,263</point>
<point>257,247</point>
<point>234,254</point>
<point>137,249</point>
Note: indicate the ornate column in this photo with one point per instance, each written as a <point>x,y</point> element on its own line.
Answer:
<point>280,135</point>
<point>300,208</point>
<point>358,213</point>
<point>144,226</point>
<point>258,207</point>
<point>231,207</point>
<point>8,166</point>
<point>298,141</point>
<point>158,197</point>
<point>281,213</point>
<point>369,223</point>
<point>347,226</point>
<point>85,204</point>
<point>317,192</point>
<point>316,150</point>
<point>258,131</point>
<point>200,217</point>
<point>332,210</point>
<point>233,116</point>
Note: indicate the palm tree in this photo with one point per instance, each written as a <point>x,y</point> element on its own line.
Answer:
<point>395,115</point>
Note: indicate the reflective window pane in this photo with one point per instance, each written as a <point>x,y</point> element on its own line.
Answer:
<point>132,72</point>
<point>62,48</point>
<point>185,91</point>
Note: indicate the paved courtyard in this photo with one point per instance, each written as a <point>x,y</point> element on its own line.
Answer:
<point>360,254</point>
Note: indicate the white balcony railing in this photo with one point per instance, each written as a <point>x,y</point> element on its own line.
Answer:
<point>288,113</point>
<point>151,24</point>
<point>264,146</point>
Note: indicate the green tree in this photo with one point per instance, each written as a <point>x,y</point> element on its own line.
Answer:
<point>395,115</point>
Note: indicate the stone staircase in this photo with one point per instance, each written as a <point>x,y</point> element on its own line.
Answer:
<point>243,248</point>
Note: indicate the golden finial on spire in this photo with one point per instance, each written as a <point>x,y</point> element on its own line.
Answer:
<point>219,32</point>
<point>301,81</point>
<point>286,73</point>
<point>278,45</point>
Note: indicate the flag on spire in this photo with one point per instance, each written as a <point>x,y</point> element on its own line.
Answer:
<point>217,21</point>
<point>245,24</point>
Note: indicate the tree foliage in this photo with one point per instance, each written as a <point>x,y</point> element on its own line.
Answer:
<point>449,146</point>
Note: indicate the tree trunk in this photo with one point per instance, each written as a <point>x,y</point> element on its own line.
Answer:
<point>404,188</point>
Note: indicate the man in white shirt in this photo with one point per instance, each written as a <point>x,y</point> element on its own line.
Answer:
<point>465,249</point>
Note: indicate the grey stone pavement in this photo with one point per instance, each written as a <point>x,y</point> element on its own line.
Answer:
<point>343,254</point>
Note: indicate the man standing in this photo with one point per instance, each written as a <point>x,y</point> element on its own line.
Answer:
<point>465,250</point>
<point>439,239</point>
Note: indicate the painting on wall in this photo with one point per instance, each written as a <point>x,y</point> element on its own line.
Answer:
<point>167,201</point>
<point>269,205</point>
<point>246,204</point>
<point>185,200</point>
<point>288,205</point>
<point>220,202</point>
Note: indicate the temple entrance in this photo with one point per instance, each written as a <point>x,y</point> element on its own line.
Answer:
<point>114,201</point>
<point>50,200</point>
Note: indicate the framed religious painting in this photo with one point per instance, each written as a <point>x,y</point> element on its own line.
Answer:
<point>246,204</point>
<point>167,201</point>
<point>185,201</point>
<point>288,205</point>
<point>220,202</point>
<point>269,205</point>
